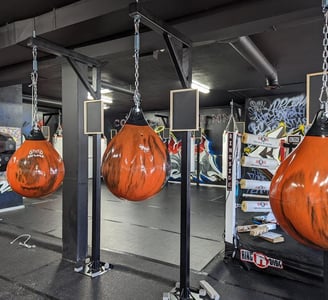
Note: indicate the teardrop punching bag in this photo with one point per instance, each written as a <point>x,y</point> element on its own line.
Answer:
<point>136,162</point>
<point>299,188</point>
<point>35,169</point>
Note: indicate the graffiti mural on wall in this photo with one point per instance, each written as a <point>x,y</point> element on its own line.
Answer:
<point>209,145</point>
<point>265,115</point>
<point>209,168</point>
<point>272,117</point>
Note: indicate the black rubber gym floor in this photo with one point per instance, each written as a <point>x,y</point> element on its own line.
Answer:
<point>141,240</point>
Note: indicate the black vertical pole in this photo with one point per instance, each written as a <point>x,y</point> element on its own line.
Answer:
<point>325,274</point>
<point>185,217</point>
<point>198,163</point>
<point>96,202</point>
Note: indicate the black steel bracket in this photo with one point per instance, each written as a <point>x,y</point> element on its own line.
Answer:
<point>93,88</point>
<point>182,62</point>
<point>156,24</point>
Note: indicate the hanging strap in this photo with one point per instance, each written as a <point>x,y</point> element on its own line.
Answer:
<point>59,130</point>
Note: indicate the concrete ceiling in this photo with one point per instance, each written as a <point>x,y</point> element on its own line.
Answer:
<point>288,33</point>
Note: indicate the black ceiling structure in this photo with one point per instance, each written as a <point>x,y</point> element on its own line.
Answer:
<point>240,49</point>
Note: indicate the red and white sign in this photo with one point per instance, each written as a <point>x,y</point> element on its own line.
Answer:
<point>260,260</point>
<point>230,161</point>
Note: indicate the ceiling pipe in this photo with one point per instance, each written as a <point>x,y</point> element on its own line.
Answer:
<point>52,102</point>
<point>47,102</point>
<point>115,88</point>
<point>248,50</point>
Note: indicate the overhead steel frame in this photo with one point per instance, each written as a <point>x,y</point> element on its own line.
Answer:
<point>75,240</point>
<point>179,48</point>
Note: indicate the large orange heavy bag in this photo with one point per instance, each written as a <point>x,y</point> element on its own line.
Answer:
<point>299,189</point>
<point>35,169</point>
<point>135,164</point>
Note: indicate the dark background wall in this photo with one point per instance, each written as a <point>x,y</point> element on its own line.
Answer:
<point>11,115</point>
<point>11,112</point>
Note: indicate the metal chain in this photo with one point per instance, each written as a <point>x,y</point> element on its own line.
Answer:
<point>136,97</point>
<point>324,88</point>
<point>34,85</point>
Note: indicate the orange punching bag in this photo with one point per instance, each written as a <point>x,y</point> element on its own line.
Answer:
<point>136,162</point>
<point>299,188</point>
<point>35,169</point>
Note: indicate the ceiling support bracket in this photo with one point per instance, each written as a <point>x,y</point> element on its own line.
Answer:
<point>94,88</point>
<point>156,24</point>
<point>181,61</point>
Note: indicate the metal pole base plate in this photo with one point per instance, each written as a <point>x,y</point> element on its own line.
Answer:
<point>175,295</point>
<point>205,292</point>
<point>89,269</point>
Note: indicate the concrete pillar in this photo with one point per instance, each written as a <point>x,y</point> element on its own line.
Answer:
<point>75,154</point>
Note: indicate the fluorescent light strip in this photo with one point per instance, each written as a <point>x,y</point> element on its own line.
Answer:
<point>105,91</point>
<point>201,87</point>
<point>105,99</point>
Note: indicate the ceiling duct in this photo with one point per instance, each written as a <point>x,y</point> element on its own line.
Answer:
<point>248,50</point>
<point>43,101</point>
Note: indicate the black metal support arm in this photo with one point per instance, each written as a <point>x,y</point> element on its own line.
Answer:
<point>72,57</point>
<point>57,50</point>
<point>181,63</point>
<point>83,78</point>
<point>157,25</point>
<point>179,66</point>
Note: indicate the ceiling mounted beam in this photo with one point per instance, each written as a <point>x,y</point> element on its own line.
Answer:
<point>80,11</point>
<point>221,24</point>
<point>224,22</point>
<point>244,18</point>
<point>73,57</point>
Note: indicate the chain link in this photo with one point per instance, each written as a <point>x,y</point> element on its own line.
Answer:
<point>136,97</point>
<point>323,98</point>
<point>34,85</point>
